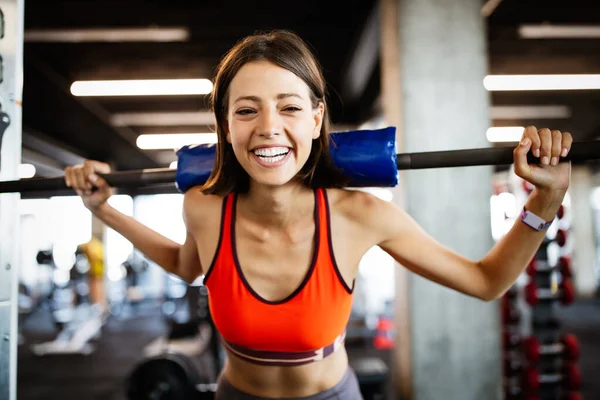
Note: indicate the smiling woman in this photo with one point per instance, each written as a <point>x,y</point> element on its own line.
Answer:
<point>248,92</point>
<point>279,241</point>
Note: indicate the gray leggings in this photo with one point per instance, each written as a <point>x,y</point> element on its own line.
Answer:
<point>346,389</point>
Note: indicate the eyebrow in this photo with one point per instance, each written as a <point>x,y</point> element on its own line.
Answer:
<point>280,96</point>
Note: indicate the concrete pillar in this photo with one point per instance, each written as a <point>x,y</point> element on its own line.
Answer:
<point>438,68</point>
<point>11,51</point>
<point>582,230</point>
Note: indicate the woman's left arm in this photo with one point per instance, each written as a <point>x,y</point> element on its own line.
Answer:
<point>493,275</point>
<point>507,260</point>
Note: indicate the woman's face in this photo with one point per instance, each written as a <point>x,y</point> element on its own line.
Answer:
<point>271,122</point>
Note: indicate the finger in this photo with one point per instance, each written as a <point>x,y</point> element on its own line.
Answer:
<point>99,167</point>
<point>88,175</point>
<point>67,174</point>
<point>80,178</point>
<point>567,142</point>
<point>532,133</point>
<point>522,168</point>
<point>99,182</point>
<point>546,145</point>
<point>556,146</point>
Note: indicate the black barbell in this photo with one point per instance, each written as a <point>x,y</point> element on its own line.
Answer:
<point>580,151</point>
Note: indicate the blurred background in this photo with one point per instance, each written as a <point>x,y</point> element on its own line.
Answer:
<point>66,119</point>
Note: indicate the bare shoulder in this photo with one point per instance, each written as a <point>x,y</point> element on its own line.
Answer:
<point>200,209</point>
<point>359,206</point>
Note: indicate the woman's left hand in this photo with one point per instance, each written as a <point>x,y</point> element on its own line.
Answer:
<point>549,146</point>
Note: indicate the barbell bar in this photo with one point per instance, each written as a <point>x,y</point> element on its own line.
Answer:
<point>580,151</point>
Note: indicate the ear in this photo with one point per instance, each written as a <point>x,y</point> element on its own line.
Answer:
<point>227,131</point>
<point>318,114</point>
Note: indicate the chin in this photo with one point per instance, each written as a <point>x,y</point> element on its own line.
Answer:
<point>278,181</point>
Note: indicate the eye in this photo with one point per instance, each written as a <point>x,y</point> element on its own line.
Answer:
<point>244,111</point>
<point>292,109</point>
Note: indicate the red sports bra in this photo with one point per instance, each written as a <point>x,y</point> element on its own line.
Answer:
<point>306,326</point>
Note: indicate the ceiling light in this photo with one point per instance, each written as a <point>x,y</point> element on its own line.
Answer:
<point>174,34</point>
<point>548,31</point>
<point>163,118</point>
<point>26,171</point>
<point>541,82</point>
<point>149,87</point>
<point>504,134</point>
<point>174,140</point>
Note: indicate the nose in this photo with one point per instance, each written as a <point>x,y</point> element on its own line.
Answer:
<point>269,124</point>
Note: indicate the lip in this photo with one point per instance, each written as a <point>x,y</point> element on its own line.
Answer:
<point>271,164</point>
<point>267,146</point>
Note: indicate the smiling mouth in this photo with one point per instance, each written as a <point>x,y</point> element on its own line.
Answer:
<point>271,154</point>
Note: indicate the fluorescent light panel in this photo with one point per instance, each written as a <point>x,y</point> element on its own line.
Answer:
<point>163,118</point>
<point>173,34</point>
<point>505,134</point>
<point>174,140</point>
<point>143,87</point>
<point>26,171</point>
<point>541,82</point>
<point>548,31</point>
<point>530,112</point>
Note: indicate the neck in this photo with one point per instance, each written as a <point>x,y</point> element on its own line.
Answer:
<point>277,206</point>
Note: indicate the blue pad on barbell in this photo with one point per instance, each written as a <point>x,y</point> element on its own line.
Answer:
<point>367,157</point>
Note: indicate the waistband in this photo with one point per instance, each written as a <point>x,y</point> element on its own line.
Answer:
<point>285,359</point>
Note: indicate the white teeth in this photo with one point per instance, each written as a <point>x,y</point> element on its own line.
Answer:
<point>271,151</point>
<point>272,159</point>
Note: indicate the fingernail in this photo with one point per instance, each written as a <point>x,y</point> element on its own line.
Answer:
<point>545,160</point>
<point>564,152</point>
<point>93,177</point>
<point>525,142</point>
<point>536,153</point>
<point>554,161</point>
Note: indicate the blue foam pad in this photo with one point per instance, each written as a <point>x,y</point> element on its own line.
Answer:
<point>367,157</point>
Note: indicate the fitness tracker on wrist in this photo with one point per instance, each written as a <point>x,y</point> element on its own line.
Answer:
<point>533,221</point>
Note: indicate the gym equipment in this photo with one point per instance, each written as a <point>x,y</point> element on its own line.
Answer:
<point>565,293</point>
<point>569,378</point>
<point>561,212</point>
<point>510,315</point>
<point>366,157</point>
<point>512,366</point>
<point>78,320</point>
<point>186,363</point>
<point>561,237</point>
<point>563,266</point>
<point>566,396</point>
<point>168,377</point>
<point>86,324</point>
<point>510,340</point>
<point>4,123</point>
<point>580,151</point>
<point>567,348</point>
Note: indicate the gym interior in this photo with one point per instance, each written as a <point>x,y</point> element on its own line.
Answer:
<point>85,315</point>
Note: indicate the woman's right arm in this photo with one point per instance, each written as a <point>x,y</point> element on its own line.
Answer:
<point>181,260</point>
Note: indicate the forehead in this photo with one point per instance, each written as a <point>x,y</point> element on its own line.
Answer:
<point>265,79</point>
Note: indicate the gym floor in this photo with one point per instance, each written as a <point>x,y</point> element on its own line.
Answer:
<point>102,374</point>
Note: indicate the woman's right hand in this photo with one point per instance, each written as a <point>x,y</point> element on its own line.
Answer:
<point>84,179</point>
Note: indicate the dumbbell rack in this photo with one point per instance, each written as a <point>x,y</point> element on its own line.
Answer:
<point>541,366</point>
<point>512,359</point>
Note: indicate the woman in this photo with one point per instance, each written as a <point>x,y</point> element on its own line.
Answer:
<point>279,241</point>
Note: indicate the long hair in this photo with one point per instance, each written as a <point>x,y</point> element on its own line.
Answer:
<point>287,50</point>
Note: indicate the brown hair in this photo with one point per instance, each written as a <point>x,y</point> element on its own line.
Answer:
<point>287,50</point>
